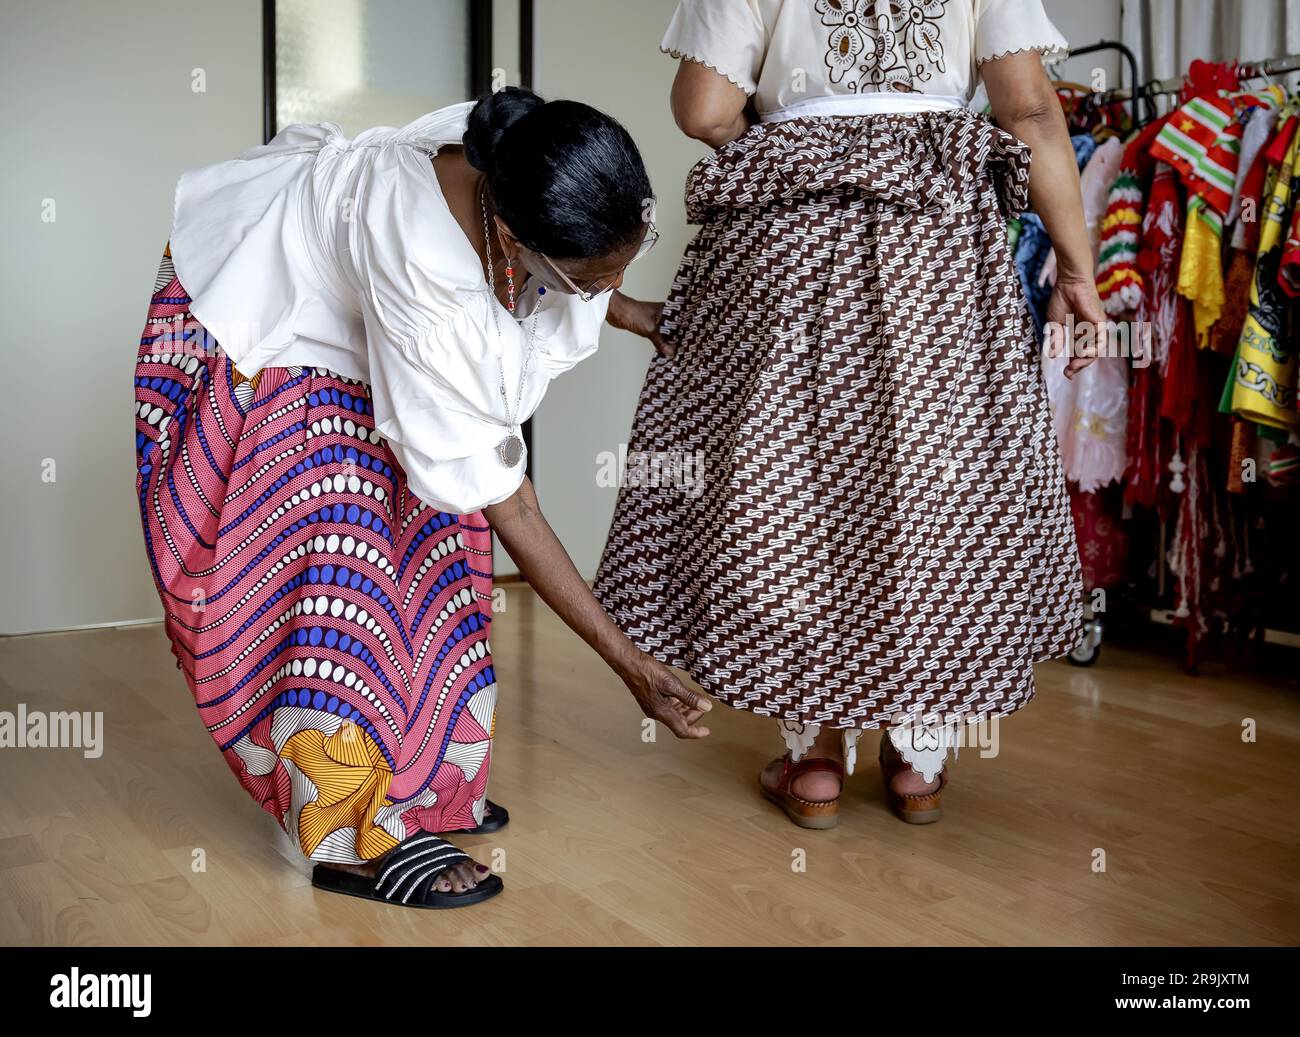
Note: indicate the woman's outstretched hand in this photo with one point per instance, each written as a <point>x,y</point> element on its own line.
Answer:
<point>663,697</point>
<point>543,562</point>
<point>640,318</point>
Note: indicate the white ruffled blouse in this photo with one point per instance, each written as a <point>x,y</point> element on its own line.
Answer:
<point>787,51</point>
<point>320,251</point>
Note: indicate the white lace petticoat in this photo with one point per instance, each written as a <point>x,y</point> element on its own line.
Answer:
<point>925,746</point>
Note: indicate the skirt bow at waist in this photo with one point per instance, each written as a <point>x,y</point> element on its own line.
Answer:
<point>917,160</point>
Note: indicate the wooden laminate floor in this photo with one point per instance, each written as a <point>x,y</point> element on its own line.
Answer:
<point>615,841</point>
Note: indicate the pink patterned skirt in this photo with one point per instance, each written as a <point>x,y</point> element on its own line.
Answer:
<point>332,627</point>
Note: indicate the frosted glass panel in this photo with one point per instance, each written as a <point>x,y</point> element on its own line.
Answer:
<point>363,63</point>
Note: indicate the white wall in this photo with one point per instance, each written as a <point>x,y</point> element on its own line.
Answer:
<point>99,117</point>
<point>1083,22</point>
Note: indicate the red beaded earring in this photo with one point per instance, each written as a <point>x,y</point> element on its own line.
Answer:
<point>510,288</point>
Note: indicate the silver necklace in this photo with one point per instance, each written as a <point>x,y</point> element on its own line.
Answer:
<point>510,449</point>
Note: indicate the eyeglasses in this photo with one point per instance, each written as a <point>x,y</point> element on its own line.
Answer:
<point>600,287</point>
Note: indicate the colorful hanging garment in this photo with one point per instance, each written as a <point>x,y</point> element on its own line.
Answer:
<point>1242,448</point>
<point>1119,281</point>
<point>1200,275</point>
<point>1195,142</point>
<point>1245,232</point>
<point>1103,540</point>
<point>1204,555</point>
<point>1202,141</point>
<point>1158,308</point>
<point>1236,289</point>
<point>1243,217</point>
<point>1288,275</point>
<point>1265,371</point>
<point>1259,128</point>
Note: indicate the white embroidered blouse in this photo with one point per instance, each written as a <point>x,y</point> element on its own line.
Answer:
<point>319,251</point>
<point>787,51</point>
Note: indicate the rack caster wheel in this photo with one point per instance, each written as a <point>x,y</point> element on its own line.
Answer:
<point>1090,647</point>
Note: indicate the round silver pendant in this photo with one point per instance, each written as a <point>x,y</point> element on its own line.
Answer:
<point>510,450</point>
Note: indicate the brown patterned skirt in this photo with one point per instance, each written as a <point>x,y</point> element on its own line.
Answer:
<point>844,501</point>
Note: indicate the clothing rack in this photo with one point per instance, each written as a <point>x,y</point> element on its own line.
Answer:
<point>1156,87</point>
<point>1127,54</point>
<point>1134,94</point>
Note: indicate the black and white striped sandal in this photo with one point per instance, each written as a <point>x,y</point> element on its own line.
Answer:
<point>407,876</point>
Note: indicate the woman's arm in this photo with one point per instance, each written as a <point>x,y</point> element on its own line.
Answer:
<point>543,562</point>
<point>707,105</point>
<point>1025,105</point>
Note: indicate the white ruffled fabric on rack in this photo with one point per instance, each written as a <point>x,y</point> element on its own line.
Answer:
<point>1090,411</point>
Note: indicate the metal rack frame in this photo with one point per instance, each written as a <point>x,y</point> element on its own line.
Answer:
<point>1135,75</point>
<point>1156,87</point>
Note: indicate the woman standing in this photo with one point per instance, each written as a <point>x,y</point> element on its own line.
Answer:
<point>883,538</point>
<point>344,340</point>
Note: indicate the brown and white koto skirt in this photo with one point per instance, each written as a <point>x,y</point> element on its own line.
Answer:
<point>844,502</point>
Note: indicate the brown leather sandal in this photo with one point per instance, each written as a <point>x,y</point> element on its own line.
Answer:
<point>802,812</point>
<point>916,809</point>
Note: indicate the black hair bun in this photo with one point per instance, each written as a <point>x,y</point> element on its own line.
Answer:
<point>491,117</point>
<point>565,178</point>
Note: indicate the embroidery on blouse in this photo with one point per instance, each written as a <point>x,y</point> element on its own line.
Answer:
<point>889,44</point>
